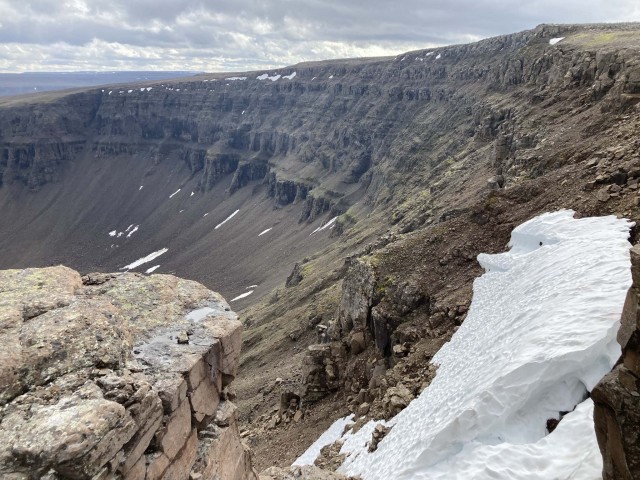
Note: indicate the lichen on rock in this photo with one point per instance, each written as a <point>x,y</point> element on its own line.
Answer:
<point>95,384</point>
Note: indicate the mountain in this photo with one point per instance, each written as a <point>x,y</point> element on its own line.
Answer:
<point>413,164</point>
<point>36,82</point>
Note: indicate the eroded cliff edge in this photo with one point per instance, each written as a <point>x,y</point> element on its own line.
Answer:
<point>117,376</point>
<point>617,396</point>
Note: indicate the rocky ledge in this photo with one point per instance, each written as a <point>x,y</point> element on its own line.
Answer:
<point>117,376</point>
<point>617,396</point>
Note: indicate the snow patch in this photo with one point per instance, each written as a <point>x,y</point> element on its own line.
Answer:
<point>199,314</point>
<point>147,259</point>
<point>191,194</point>
<point>438,57</point>
<point>265,76</point>
<point>242,295</point>
<point>542,328</point>
<point>133,230</point>
<point>152,269</point>
<point>251,287</point>
<point>113,233</point>
<point>226,219</point>
<point>141,187</point>
<point>326,225</point>
<point>174,193</point>
<point>235,78</point>
<point>129,91</point>
<point>553,41</point>
<point>333,433</point>
<point>291,76</point>
<point>264,231</point>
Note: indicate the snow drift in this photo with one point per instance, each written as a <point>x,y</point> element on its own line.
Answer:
<point>540,333</point>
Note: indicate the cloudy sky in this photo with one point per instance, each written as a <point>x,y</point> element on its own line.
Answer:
<point>234,35</point>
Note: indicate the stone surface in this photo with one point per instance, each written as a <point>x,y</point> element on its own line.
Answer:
<point>295,277</point>
<point>307,472</point>
<point>97,386</point>
<point>617,396</point>
<point>357,297</point>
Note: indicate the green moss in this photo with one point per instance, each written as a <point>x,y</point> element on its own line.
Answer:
<point>382,286</point>
<point>307,268</point>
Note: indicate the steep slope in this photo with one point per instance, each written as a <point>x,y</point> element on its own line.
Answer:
<point>404,145</point>
<point>541,332</point>
<point>333,135</point>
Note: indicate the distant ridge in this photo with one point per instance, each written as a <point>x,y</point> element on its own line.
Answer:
<point>34,82</point>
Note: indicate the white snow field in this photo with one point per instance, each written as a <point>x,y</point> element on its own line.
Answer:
<point>541,331</point>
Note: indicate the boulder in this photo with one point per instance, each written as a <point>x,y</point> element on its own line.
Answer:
<point>95,382</point>
<point>295,277</point>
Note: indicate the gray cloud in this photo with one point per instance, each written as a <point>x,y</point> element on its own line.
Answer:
<point>247,34</point>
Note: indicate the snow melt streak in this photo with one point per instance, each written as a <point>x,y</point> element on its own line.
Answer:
<point>325,226</point>
<point>241,296</point>
<point>541,330</point>
<point>226,219</point>
<point>147,259</point>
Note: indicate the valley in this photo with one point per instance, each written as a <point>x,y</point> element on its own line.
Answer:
<point>350,197</point>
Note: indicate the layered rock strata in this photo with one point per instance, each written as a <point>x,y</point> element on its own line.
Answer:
<point>116,376</point>
<point>617,396</point>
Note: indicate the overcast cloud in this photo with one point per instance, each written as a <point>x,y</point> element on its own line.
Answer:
<point>65,35</point>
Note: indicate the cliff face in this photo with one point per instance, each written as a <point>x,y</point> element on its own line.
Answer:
<point>616,397</point>
<point>116,376</point>
<point>398,136</point>
<point>234,180</point>
<point>332,123</point>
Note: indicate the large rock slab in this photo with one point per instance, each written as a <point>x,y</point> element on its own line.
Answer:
<point>115,376</point>
<point>617,396</point>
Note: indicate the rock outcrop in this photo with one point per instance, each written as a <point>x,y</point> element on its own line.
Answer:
<point>116,376</point>
<point>307,472</point>
<point>617,396</point>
